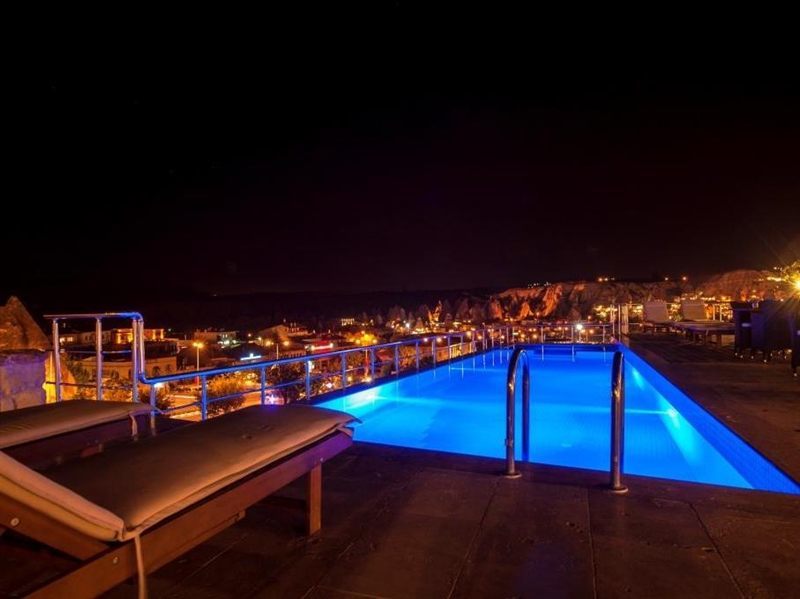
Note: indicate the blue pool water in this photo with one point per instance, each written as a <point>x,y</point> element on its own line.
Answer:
<point>460,408</point>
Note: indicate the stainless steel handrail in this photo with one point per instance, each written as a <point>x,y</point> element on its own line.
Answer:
<point>93,315</point>
<point>511,385</point>
<point>98,317</point>
<point>502,335</point>
<point>306,361</point>
<point>189,374</point>
<point>617,423</point>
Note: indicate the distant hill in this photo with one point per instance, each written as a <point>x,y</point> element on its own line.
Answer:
<point>566,299</point>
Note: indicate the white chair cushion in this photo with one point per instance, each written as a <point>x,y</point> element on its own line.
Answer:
<point>43,495</point>
<point>693,310</point>
<point>656,311</point>
<point>147,481</point>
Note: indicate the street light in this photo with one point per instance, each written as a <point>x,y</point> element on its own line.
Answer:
<point>198,346</point>
<point>270,343</point>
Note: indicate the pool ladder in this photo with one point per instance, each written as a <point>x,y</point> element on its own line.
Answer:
<point>617,416</point>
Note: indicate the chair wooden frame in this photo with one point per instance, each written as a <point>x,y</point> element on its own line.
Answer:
<point>83,442</point>
<point>105,565</point>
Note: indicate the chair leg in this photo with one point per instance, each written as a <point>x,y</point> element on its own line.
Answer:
<point>315,499</point>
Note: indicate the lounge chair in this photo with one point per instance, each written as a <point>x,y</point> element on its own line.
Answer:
<point>705,330</point>
<point>137,506</point>
<point>694,311</point>
<point>39,435</point>
<point>656,316</point>
<point>696,324</point>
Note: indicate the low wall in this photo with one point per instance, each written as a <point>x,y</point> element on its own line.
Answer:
<point>22,375</point>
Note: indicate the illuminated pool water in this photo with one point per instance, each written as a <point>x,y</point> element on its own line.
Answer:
<point>460,408</point>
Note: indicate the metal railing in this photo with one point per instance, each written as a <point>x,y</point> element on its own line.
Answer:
<point>617,444</point>
<point>566,332</point>
<point>433,349</point>
<point>98,318</point>
<point>436,348</point>
<point>511,386</point>
<point>617,423</point>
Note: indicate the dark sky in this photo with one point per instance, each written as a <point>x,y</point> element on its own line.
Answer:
<point>384,166</point>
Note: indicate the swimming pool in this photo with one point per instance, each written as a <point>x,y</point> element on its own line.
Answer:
<point>460,407</point>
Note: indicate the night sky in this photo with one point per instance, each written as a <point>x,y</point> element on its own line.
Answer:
<point>383,167</point>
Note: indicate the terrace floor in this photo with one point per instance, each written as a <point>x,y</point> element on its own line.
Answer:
<point>408,523</point>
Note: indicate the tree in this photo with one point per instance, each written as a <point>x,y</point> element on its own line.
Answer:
<point>226,385</point>
<point>82,376</point>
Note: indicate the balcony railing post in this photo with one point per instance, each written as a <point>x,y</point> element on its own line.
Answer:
<point>617,423</point>
<point>263,374</point>
<point>57,359</point>
<point>308,379</point>
<point>433,350</point>
<point>141,346</point>
<point>344,372</point>
<point>134,361</point>
<point>396,360</point>
<point>371,364</point>
<point>416,352</point>
<point>203,398</point>
<point>98,344</point>
<point>544,335</point>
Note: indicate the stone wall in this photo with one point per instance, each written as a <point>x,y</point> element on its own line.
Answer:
<point>21,378</point>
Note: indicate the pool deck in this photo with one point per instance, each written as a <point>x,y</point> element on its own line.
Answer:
<point>408,523</point>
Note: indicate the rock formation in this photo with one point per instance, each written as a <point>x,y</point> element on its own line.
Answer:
<point>18,329</point>
<point>23,357</point>
<point>578,299</point>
